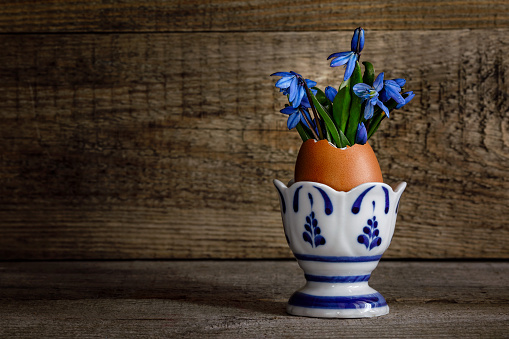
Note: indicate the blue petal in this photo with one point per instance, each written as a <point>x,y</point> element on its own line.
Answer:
<point>382,106</point>
<point>340,54</point>
<point>400,82</point>
<point>350,66</point>
<point>374,99</point>
<point>293,120</point>
<point>282,74</point>
<point>362,135</point>
<point>289,110</point>
<point>293,90</point>
<point>410,96</point>
<point>379,82</point>
<point>368,110</point>
<point>361,46</point>
<point>398,98</point>
<point>330,93</point>
<point>342,60</point>
<point>300,93</point>
<point>355,39</point>
<point>392,84</point>
<point>310,83</point>
<point>284,82</point>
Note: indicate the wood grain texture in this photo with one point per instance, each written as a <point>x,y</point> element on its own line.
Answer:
<point>257,15</point>
<point>165,145</point>
<point>242,299</point>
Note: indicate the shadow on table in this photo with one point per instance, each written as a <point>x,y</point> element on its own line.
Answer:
<point>243,286</point>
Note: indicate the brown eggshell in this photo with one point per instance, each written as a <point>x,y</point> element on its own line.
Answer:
<point>341,169</point>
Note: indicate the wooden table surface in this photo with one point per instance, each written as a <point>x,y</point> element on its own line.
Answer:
<point>238,299</point>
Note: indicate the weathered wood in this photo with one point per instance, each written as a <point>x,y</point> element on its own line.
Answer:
<point>165,146</point>
<point>233,299</point>
<point>258,15</point>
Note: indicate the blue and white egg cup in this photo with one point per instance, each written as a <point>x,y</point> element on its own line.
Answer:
<point>338,239</point>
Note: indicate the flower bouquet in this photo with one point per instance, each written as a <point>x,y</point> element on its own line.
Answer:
<point>338,215</point>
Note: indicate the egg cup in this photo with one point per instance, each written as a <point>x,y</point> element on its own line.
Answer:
<point>338,239</point>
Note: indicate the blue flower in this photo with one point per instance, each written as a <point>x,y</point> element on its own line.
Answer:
<point>362,135</point>
<point>295,116</point>
<point>292,83</point>
<point>410,96</point>
<point>330,93</point>
<point>392,89</point>
<point>370,94</point>
<point>349,58</point>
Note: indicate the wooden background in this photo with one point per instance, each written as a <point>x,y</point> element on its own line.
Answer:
<point>139,130</point>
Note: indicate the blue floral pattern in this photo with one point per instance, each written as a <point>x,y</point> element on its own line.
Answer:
<point>370,238</point>
<point>312,234</point>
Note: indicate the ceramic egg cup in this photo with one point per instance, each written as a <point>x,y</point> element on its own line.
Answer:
<point>338,239</point>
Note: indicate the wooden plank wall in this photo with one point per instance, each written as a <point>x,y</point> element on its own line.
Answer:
<point>151,129</point>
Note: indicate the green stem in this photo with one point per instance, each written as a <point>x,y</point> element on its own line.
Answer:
<point>308,93</point>
<point>374,123</point>
<point>309,124</point>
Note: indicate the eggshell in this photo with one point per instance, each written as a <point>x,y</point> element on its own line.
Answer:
<point>341,169</point>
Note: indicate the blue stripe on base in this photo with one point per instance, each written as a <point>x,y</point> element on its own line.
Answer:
<point>337,279</point>
<point>308,257</point>
<point>337,303</point>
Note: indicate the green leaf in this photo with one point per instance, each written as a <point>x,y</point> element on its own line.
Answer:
<point>327,134</point>
<point>304,132</point>
<point>322,99</point>
<point>328,121</point>
<point>344,141</point>
<point>341,105</point>
<point>369,73</point>
<point>355,106</point>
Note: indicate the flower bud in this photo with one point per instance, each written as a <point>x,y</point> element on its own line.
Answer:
<point>358,40</point>
<point>362,135</point>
